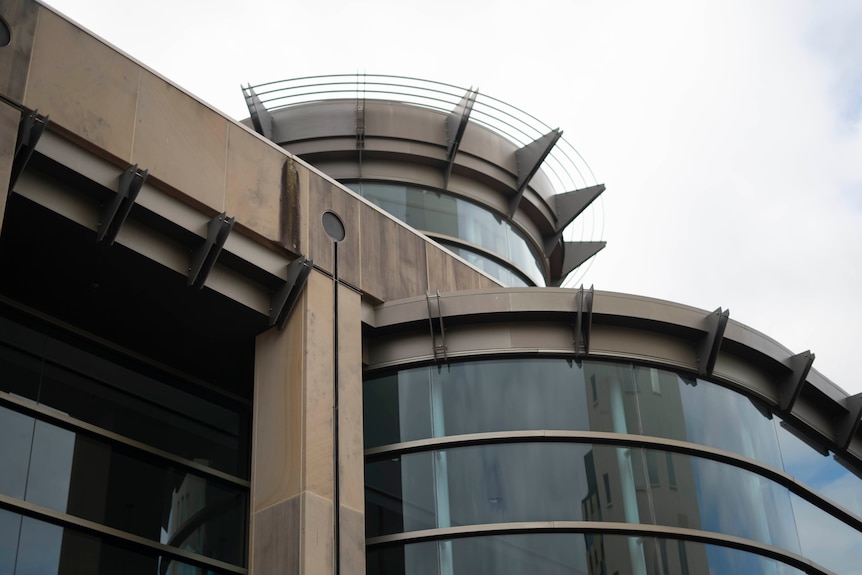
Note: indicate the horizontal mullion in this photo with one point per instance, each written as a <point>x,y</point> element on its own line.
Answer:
<point>599,528</point>
<point>116,535</point>
<point>50,415</point>
<point>621,440</point>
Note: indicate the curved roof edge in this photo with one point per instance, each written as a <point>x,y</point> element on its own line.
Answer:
<point>614,326</point>
<point>466,144</point>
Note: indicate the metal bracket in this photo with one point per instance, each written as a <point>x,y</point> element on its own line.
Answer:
<point>707,351</point>
<point>204,258</point>
<point>360,123</point>
<point>456,123</point>
<point>260,117</point>
<point>569,206</point>
<point>790,388</point>
<point>576,253</point>
<point>30,129</point>
<point>583,320</point>
<point>285,298</point>
<point>529,158</point>
<point>437,348</point>
<point>115,211</point>
<point>849,424</point>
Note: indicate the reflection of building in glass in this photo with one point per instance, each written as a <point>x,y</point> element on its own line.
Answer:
<point>195,377</point>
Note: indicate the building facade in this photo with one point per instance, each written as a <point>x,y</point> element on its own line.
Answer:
<point>329,340</point>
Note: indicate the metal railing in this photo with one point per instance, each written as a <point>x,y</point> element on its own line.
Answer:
<point>564,167</point>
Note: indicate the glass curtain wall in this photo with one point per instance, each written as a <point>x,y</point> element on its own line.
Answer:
<point>504,480</point>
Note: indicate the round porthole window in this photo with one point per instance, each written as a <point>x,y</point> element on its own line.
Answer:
<point>5,33</point>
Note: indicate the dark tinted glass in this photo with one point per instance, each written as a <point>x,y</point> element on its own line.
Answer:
<point>148,411</point>
<point>35,547</point>
<point>20,372</point>
<point>76,474</point>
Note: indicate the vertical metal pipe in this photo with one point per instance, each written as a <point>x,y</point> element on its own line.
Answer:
<point>336,503</point>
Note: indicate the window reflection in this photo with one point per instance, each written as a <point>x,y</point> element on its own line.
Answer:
<point>32,547</point>
<point>98,481</point>
<point>540,393</point>
<point>501,483</point>
<point>530,482</point>
<point>440,213</point>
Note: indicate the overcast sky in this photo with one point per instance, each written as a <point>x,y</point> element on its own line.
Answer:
<point>729,134</point>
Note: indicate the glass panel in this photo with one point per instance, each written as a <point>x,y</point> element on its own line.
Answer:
<point>506,276</point>
<point>500,483</point>
<point>21,372</point>
<point>10,529</point>
<point>32,547</point>
<point>821,473</point>
<point>475,397</point>
<point>440,213</point>
<point>825,539</point>
<point>76,474</point>
<point>524,394</point>
<point>16,436</point>
<point>148,411</point>
<point>565,554</point>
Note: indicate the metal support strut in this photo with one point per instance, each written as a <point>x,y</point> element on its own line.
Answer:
<point>707,351</point>
<point>30,129</point>
<point>204,258</point>
<point>437,348</point>
<point>115,211</point>
<point>583,321</point>
<point>286,296</point>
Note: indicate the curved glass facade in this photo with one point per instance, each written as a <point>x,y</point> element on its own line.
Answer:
<point>505,479</point>
<point>439,213</point>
